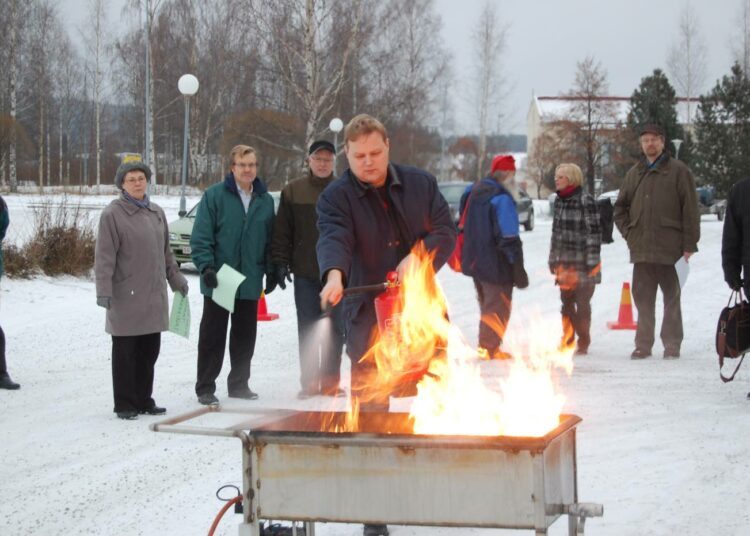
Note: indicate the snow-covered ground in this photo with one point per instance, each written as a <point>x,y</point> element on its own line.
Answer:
<point>664,445</point>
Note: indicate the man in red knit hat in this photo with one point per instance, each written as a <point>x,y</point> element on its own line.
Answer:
<point>492,253</point>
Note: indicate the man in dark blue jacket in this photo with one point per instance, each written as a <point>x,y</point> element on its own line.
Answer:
<point>492,253</point>
<point>369,219</point>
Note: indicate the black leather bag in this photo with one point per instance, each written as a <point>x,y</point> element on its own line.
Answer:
<point>733,332</point>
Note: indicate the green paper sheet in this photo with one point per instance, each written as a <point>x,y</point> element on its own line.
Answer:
<point>229,281</point>
<point>179,319</point>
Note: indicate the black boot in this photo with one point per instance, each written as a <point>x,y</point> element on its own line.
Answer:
<point>7,383</point>
<point>375,530</point>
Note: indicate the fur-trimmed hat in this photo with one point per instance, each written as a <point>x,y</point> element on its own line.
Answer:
<point>131,166</point>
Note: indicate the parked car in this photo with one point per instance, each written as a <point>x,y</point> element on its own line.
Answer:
<point>453,190</point>
<point>181,229</point>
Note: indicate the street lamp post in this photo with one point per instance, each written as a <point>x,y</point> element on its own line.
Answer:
<point>677,142</point>
<point>336,125</point>
<point>188,86</point>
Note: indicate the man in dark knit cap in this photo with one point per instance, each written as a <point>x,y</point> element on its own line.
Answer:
<point>293,251</point>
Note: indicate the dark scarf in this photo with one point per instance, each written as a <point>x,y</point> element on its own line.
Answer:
<point>143,203</point>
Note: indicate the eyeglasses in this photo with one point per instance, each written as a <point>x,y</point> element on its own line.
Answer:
<point>135,179</point>
<point>322,160</point>
<point>245,166</point>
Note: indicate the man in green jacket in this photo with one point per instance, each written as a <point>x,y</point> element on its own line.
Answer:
<point>657,213</point>
<point>5,381</point>
<point>295,235</point>
<point>233,226</point>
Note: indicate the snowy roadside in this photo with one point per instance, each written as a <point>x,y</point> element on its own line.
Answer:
<point>662,443</point>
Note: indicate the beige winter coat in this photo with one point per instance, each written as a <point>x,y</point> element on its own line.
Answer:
<point>132,264</point>
<point>657,212</point>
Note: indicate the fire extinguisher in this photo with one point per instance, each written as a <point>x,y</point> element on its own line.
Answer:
<point>388,307</point>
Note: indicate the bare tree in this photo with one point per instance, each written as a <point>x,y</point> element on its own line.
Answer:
<point>13,59</point>
<point>686,60</point>
<point>740,43</point>
<point>96,48</point>
<point>592,114</point>
<point>297,36</point>
<point>490,40</point>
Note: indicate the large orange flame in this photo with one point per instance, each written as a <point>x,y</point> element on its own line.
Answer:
<point>421,345</point>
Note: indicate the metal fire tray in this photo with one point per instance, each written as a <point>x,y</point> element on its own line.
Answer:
<point>384,473</point>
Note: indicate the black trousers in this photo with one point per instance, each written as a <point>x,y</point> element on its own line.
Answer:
<point>212,341</point>
<point>133,360</point>
<point>495,303</point>
<point>576,314</point>
<point>320,340</point>
<point>362,378</point>
<point>647,278</point>
<point>3,366</point>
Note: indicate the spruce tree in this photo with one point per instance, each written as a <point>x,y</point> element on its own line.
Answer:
<point>723,132</point>
<point>655,101</point>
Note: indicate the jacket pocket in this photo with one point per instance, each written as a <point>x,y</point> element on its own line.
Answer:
<point>669,222</point>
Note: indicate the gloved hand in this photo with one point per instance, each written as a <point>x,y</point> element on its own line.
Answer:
<point>184,289</point>
<point>271,281</point>
<point>104,301</point>
<point>734,281</point>
<point>209,277</point>
<point>282,275</point>
<point>520,277</point>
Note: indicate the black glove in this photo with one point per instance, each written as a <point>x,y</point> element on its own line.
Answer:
<point>271,282</point>
<point>209,278</point>
<point>104,301</point>
<point>520,277</point>
<point>735,282</point>
<point>282,275</point>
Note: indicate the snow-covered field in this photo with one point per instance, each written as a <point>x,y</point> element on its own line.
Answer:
<point>664,445</point>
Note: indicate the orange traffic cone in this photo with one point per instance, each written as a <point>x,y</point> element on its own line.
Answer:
<point>625,316</point>
<point>263,314</point>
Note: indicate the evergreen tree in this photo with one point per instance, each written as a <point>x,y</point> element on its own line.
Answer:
<point>723,132</point>
<point>655,101</point>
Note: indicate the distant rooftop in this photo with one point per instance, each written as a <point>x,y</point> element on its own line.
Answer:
<point>556,108</point>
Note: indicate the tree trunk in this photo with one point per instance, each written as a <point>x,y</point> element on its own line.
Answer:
<point>13,82</point>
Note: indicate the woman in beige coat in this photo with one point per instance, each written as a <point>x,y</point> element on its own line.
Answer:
<point>132,265</point>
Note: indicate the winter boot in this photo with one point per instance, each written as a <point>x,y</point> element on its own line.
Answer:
<point>375,530</point>
<point>7,383</point>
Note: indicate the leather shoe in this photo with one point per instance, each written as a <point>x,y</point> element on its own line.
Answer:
<point>581,351</point>
<point>153,410</point>
<point>7,383</point>
<point>208,399</point>
<point>304,394</point>
<point>640,354</point>
<point>247,395</point>
<point>336,392</point>
<point>127,415</point>
<point>671,353</point>
<point>375,530</point>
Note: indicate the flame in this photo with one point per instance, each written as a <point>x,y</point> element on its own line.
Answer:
<point>420,345</point>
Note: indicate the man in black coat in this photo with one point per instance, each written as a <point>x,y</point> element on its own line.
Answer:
<point>735,241</point>
<point>369,219</point>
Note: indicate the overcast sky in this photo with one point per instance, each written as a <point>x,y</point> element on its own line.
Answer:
<point>547,37</point>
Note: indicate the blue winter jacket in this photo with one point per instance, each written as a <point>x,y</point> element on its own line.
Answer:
<point>358,238</point>
<point>491,241</point>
